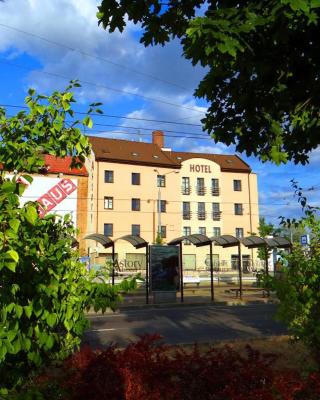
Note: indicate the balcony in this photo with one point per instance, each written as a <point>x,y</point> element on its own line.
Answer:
<point>186,214</point>
<point>185,190</point>
<point>215,191</point>
<point>201,190</point>
<point>202,215</point>
<point>216,215</point>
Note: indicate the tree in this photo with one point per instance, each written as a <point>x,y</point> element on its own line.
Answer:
<point>44,289</point>
<point>264,230</point>
<point>297,288</point>
<point>263,66</point>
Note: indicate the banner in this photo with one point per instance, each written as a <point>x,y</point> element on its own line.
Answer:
<point>164,268</point>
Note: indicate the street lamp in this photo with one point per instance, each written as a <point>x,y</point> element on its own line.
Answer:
<point>159,198</point>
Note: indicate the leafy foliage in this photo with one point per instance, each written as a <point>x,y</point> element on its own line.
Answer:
<point>298,285</point>
<point>147,370</point>
<point>263,67</point>
<point>44,289</point>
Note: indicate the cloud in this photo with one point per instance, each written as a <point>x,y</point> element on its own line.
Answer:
<point>74,24</point>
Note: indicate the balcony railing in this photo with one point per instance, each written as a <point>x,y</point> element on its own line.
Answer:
<point>216,215</point>
<point>186,214</point>
<point>215,191</point>
<point>185,189</point>
<point>201,190</point>
<point>202,215</point>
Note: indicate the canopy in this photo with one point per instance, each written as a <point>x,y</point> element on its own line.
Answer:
<point>102,239</point>
<point>226,241</point>
<point>136,241</point>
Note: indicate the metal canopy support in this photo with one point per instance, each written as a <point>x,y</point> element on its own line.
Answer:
<point>113,262</point>
<point>106,242</point>
<point>211,273</point>
<point>240,269</point>
<point>197,240</point>
<point>181,271</point>
<point>147,274</point>
<point>138,243</point>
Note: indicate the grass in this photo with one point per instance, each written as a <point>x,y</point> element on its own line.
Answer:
<point>290,354</point>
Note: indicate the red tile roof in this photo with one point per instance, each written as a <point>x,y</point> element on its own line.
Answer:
<point>127,152</point>
<point>228,163</point>
<point>57,165</point>
<point>142,153</point>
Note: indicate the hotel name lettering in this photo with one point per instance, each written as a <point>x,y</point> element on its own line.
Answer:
<point>200,168</point>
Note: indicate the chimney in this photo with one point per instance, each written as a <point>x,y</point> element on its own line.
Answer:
<point>158,138</point>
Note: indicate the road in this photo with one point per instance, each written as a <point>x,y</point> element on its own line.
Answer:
<point>187,324</point>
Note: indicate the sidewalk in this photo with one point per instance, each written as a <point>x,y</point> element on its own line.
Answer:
<point>224,294</point>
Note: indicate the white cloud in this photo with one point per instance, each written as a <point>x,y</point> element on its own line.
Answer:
<point>74,24</point>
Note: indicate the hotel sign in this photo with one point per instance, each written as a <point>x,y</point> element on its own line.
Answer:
<point>200,168</point>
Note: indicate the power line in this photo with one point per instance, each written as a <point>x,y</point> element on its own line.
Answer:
<point>113,116</point>
<point>93,56</point>
<point>4,61</point>
<point>169,201</point>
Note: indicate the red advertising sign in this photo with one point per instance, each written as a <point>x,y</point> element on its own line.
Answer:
<point>55,196</point>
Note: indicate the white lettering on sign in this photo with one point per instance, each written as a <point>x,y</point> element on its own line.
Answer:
<point>55,196</point>
<point>200,168</point>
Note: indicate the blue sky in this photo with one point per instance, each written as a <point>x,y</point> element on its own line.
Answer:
<point>130,80</point>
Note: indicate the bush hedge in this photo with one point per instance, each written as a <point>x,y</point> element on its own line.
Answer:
<point>147,370</point>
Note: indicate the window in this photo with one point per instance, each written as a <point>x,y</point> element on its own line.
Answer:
<point>108,176</point>
<point>161,180</point>
<point>108,203</point>
<point>239,232</point>
<point>238,209</point>
<point>237,185</point>
<point>215,261</point>
<point>200,187</point>
<point>135,204</point>
<point>135,178</point>
<point>216,211</point>
<point>201,211</point>
<point>186,213</point>
<point>216,231</point>
<point>186,185</point>
<point>108,229</point>
<point>163,206</point>
<point>186,232</point>
<point>235,261</point>
<point>202,230</point>
<point>163,231</point>
<point>135,230</point>
<point>215,187</point>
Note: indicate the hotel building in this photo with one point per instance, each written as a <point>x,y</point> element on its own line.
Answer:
<point>132,184</point>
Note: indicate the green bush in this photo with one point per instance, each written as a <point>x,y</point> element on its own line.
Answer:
<point>297,286</point>
<point>44,289</point>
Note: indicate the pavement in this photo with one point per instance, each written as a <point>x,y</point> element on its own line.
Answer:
<point>201,323</point>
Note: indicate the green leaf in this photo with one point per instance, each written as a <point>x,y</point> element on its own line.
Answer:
<point>14,224</point>
<point>28,310</point>
<point>31,214</point>
<point>51,319</point>
<point>11,258</point>
<point>87,121</point>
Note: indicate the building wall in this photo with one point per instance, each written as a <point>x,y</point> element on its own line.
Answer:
<point>202,168</point>
<point>122,217</point>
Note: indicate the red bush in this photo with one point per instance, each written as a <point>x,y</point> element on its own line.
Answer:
<point>149,371</point>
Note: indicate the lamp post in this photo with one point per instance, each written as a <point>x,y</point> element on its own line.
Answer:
<point>159,197</point>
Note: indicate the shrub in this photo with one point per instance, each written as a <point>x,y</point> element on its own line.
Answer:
<point>44,289</point>
<point>146,370</point>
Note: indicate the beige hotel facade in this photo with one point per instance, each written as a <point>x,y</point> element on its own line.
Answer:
<point>212,194</point>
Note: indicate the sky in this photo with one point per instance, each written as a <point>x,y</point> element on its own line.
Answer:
<point>45,43</point>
